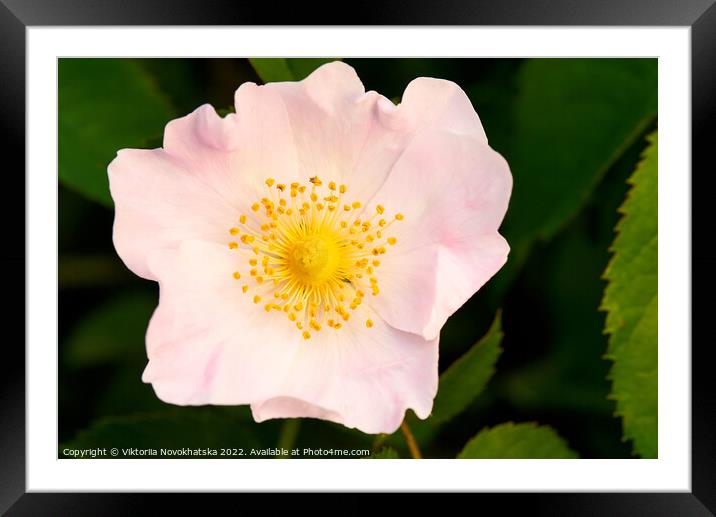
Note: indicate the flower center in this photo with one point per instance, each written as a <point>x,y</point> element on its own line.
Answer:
<point>314,258</point>
<point>311,254</point>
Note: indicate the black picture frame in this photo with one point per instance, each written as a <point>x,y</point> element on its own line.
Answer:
<point>700,15</point>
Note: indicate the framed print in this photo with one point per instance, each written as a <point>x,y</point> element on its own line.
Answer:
<point>260,257</point>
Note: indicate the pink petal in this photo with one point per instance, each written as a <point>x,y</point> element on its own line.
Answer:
<point>439,104</point>
<point>208,344</point>
<point>202,319</point>
<point>158,203</point>
<point>359,377</point>
<point>339,130</point>
<point>453,191</point>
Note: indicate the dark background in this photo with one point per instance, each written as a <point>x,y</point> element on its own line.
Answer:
<point>545,118</point>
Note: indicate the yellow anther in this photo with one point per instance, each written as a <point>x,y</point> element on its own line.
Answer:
<point>368,323</point>
<point>355,204</point>
<point>244,288</point>
<point>242,219</point>
<point>399,217</point>
<point>332,185</point>
<point>253,261</point>
<point>233,245</point>
<point>317,182</point>
<point>237,275</point>
<point>257,298</point>
<point>281,187</point>
<point>376,263</point>
<point>392,240</point>
<point>342,189</point>
<point>255,207</point>
<point>380,209</point>
<point>233,231</point>
<point>269,182</point>
<point>306,334</point>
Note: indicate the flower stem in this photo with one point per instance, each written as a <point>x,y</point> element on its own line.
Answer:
<point>410,441</point>
<point>287,437</point>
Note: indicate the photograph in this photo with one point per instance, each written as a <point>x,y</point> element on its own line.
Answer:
<point>357,258</point>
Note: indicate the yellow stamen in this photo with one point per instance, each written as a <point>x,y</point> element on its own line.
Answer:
<point>309,253</point>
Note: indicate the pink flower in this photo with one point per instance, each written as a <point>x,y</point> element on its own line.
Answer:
<point>310,247</point>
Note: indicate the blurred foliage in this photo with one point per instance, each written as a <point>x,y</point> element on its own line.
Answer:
<point>205,427</point>
<point>273,70</point>
<point>631,302</point>
<point>572,131</point>
<point>386,453</point>
<point>92,92</point>
<point>509,440</point>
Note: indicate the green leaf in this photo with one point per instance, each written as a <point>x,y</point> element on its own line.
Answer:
<point>572,119</point>
<point>630,300</point>
<point>112,333</point>
<point>465,379</point>
<point>280,69</point>
<point>517,441</point>
<point>386,453</point>
<point>104,105</point>
<point>176,428</point>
